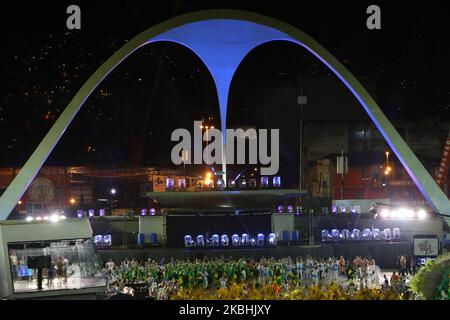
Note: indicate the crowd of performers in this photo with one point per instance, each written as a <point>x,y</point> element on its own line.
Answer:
<point>160,280</point>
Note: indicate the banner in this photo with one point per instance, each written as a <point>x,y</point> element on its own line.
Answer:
<point>426,247</point>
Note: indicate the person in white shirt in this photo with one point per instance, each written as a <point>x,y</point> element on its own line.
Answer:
<point>65,263</point>
<point>315,276</point>
<point>14,264</point>
<point>336,270</point>
<point>329,269</point>
<point>243,275</point>
<point>309,267</point>
<point>223,281</point>
<point>110,265</point>
<point>300,268</point>
<point>259,268</point>
<point>205,279</point>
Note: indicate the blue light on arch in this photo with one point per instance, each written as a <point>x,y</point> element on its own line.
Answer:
<point>222,45</point>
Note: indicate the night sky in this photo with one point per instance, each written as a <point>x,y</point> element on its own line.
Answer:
<point>129,118</point>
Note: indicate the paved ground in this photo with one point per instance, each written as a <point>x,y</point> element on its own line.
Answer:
<point>74,283</point>
<point>378,281</point>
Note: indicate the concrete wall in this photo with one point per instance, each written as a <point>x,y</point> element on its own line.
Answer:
<point>122,229</point>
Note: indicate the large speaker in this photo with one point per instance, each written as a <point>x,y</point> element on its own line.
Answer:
<point>36,262</point>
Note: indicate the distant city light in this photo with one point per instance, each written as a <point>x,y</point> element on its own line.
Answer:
<point>72,201</point>
<point>113,191</point>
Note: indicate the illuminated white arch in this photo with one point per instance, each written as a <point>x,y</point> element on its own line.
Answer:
<point>222,39</point>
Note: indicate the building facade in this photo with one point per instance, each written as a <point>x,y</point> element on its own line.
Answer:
<point>81,188</point>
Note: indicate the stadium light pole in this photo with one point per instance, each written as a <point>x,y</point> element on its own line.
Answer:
<point>301,100</point>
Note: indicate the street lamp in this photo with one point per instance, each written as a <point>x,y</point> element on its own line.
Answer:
<point>113,192</point>
<point>388,169</point>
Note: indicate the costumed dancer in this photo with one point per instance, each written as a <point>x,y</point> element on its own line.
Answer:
<point>342,265</point>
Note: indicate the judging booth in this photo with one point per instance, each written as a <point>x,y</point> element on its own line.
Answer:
<point>52,258</point>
